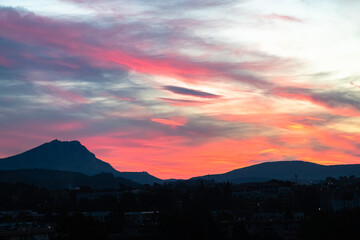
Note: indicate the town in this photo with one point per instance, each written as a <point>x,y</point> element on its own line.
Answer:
<point>197,209</point>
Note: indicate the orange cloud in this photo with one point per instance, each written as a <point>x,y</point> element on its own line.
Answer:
<point>174,122</point>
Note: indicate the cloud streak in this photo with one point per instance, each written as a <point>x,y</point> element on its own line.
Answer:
<point>283,18</point>
<point>190,92</point>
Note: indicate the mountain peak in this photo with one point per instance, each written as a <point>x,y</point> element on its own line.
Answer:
<point>57,141</point>
<point>68,156</point>
<point>59,155</point>
<point>64,149</point>
<point>286,163</point>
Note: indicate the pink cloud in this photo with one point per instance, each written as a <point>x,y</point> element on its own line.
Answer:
<point>77,40</point>
<point>62,94</point>
<point>340,109</point>
<point>173,122</point>
<point>123,98</point>
<point>5,62</point>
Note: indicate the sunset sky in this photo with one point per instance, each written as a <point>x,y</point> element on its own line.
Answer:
<point>182,88</point>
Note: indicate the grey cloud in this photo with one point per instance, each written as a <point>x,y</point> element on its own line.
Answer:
<point>29,58</point>
<point>329,98</point>
<point>190,92</point>
<point>338,98</point>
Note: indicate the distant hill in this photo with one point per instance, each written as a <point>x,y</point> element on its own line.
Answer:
<point>69,156</point>
<point>55,179</point>
<point>286,171</point>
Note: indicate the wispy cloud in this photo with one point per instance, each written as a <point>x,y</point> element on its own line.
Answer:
<point>282,18</point>
<point>190,92</point>
<point>182,102</point>
<point>174,122</point>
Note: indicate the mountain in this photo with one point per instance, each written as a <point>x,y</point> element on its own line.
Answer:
<point>69,156</point>
<point>285,170</point>
<point>72,156</point>
<point>55,179</point>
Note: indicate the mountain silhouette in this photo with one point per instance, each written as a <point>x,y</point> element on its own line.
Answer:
<point>56,179</point>
<point>69,156</point>
<point>304,172</point>
<point>72,156</point>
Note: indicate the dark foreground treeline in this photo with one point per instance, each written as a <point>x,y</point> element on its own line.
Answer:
<point>185,210</point>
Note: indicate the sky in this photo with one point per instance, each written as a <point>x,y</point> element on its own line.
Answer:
<point>182,88</point>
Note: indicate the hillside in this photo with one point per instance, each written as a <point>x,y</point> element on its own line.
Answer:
<point>285,170</point>
<point>55,179</point>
